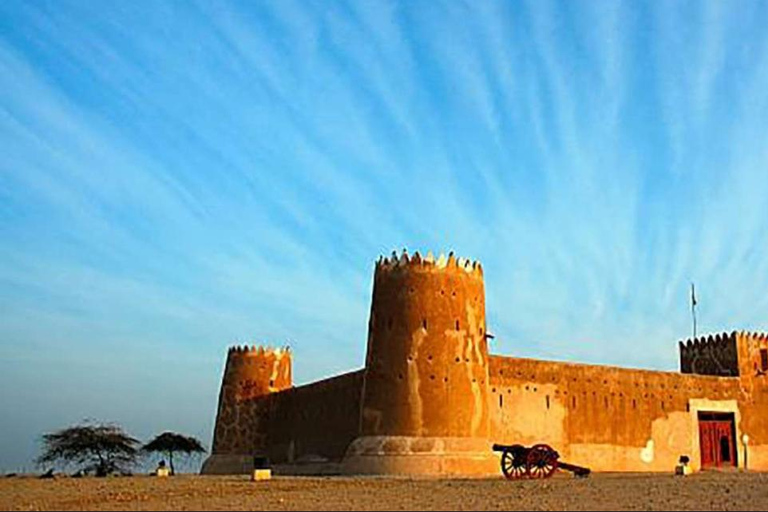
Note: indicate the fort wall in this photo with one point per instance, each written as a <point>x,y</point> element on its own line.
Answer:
<point>607,418</point>
<point>753,368</point>
<point>431,400</point>
<point>314,423</point>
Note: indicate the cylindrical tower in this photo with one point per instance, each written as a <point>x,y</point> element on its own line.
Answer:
<point>250,373</point>
<point>425,394</point>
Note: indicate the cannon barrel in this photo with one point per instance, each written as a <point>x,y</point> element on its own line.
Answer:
<point>576,470</point>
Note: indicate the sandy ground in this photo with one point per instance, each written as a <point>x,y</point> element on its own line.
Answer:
<point>706,491</point>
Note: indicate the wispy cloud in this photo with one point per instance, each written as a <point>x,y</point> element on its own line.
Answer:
<point>181,177</point>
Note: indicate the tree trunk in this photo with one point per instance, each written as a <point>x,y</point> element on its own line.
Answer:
<point>170,458</point>
<point>101,470</point>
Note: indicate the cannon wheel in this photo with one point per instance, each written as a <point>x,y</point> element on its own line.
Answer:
<point>513,467</point>
<point>541,461</point>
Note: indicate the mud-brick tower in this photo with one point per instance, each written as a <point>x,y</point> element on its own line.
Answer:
<point>250,373</point>
<point>424,406</point>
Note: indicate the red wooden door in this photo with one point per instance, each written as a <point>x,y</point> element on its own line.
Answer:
<point>716,441</point>
<point>708,455</point>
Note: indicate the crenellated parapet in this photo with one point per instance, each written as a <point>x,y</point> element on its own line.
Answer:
<point>753,353</point>
<point>254,371</point>
<point>429,262</point>
<point>710,355</point>
<point>726,355</point>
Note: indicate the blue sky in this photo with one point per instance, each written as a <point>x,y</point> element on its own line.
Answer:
<point>176,177</point>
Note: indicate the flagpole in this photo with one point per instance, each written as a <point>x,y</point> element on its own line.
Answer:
<point>693,308</point>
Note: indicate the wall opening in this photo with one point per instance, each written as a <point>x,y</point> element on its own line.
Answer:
<point>764,359</point>
<point>725,449</point>
<point>717,440</point>
<point>501,400</point>
<point>547,402</point>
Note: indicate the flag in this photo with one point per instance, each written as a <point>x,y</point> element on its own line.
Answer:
<point>693,308</point>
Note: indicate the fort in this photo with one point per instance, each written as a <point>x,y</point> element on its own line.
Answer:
<point>431,400</point>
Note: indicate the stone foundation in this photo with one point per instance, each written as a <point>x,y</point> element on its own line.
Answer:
<point>435,456</point>
<point>225,464</point>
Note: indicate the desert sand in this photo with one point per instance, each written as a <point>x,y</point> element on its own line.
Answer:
<point>704,491</point>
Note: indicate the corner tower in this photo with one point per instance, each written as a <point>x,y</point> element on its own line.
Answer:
<point>250,373</point>
<point>425,393</point>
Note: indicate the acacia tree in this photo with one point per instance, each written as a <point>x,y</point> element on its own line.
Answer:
<point>101,448</point>
<point>170,443</point>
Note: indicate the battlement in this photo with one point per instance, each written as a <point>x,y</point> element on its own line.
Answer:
<point>710,355</point>
<point>753,353</point>
<point>254,371</point>
<point>753,336</point>
<point>708,341</point>
<point>449,263</point>
<point>258,351</point>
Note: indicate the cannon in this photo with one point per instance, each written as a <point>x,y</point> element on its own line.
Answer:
<point>538,461</point>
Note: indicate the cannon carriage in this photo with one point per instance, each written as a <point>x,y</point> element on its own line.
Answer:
<point>539,461</point>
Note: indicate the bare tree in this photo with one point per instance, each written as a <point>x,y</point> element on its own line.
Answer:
<point>170,443</point>
<point>101,448</point>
